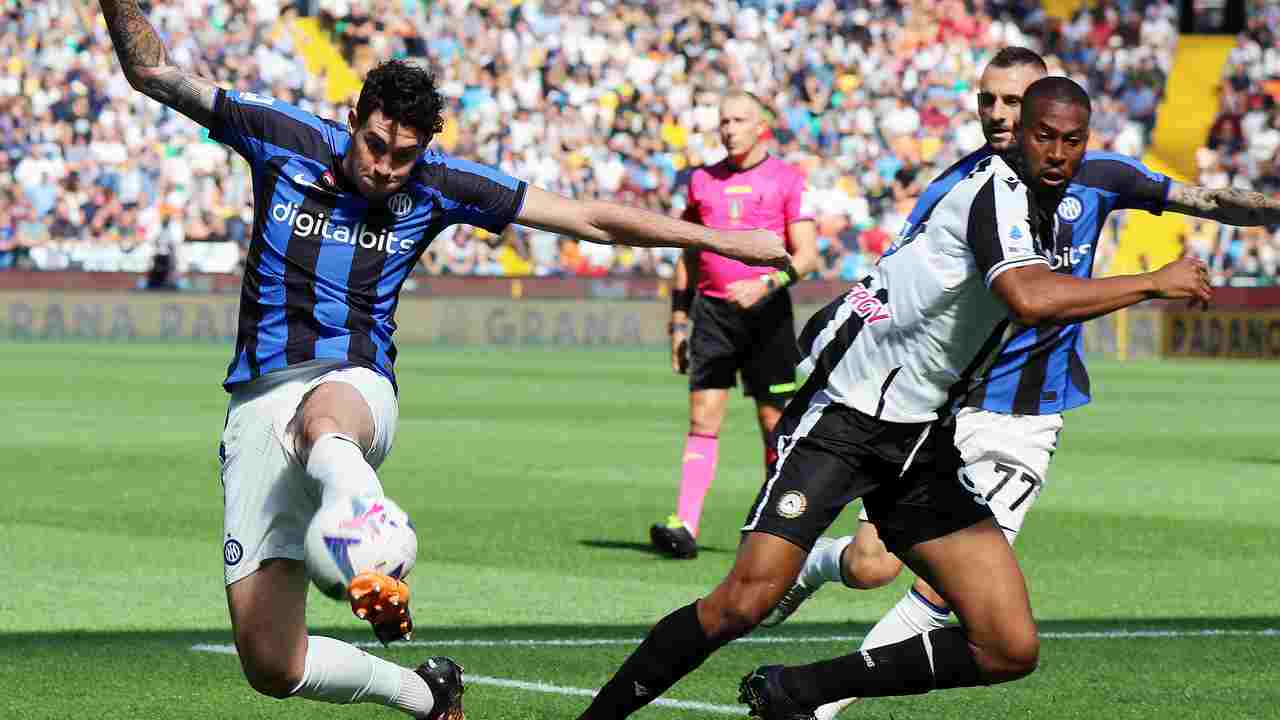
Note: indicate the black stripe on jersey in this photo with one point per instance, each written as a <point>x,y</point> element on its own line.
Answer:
<point>983,232</point>
<point>251,286</point>
<point>884,389</point>
<point>1026,399</point>
<point>434,228</point>
<point>962,386</point>
<point>1076,372</point>
<point>302,255</point>
<point>1135,188</point>
<point>362,287</point>
<point>822,368</point>
<point>823,317</point>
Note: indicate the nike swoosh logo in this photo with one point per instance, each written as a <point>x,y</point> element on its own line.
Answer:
<point>305,182</point>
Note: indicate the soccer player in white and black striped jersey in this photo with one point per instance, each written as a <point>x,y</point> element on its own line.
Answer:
<point>874,421</point>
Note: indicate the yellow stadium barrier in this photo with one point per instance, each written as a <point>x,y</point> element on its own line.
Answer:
<point>323,58</point>
<point>1063,9</point>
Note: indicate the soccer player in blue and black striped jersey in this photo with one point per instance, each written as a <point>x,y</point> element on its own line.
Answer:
<point>1008,424</point>
<point>342,212</point>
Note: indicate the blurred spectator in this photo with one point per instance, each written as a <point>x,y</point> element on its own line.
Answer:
<point>610,99</point>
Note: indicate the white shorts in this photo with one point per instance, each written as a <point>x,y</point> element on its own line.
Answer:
<point>1006,461</point>
<point>268,499</point>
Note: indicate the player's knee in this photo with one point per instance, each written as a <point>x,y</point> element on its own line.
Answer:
<point>708,426</point>
<point>867,568</point>
<point>1015,656</point>
<point>735,609</point>
<point>269,671</point>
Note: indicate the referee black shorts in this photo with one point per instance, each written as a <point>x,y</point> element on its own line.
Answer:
<point>759,341</point>
<point>907,474</point>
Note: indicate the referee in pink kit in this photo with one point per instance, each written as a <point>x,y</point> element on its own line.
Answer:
<point>741,315</point>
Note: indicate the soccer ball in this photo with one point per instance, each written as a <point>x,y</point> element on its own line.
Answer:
<point>358,534</point>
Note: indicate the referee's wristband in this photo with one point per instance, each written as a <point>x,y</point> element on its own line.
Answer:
<point>682,299</point>
<point>781,278</point>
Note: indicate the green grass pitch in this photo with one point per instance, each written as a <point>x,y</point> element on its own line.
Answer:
<point>533,476</point>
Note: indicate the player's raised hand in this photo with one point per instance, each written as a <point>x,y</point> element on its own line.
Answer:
<point>753,247</point>
<point>1184,278</point>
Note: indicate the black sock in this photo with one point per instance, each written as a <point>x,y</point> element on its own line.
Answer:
<point>899,669</point>
<point>675,647</point>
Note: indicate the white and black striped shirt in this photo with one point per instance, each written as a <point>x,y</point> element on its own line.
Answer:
<point>905,339</point>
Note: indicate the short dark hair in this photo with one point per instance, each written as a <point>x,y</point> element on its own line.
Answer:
<point>404,92</point>
<point>1054,88</point>
<point>1013,56</point>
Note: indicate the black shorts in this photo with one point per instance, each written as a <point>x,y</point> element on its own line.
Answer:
<point>838,455</point>
<point>760,341</point>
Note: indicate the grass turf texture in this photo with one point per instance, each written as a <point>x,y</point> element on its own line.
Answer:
<point>533,476</point>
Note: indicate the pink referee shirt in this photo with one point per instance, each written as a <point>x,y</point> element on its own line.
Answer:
<point>769,195</point>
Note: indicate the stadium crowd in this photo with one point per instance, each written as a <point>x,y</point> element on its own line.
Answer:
<point>608,99</point>
<point>1243,150</point>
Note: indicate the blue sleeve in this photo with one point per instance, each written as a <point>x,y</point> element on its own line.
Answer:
<point>474,194</point>
<point>1133,186</point>
<point>259,127</point>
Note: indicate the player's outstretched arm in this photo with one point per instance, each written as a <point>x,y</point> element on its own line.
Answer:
<point>146,63</point>
<point>1038,296</point>
<point>612,224</point>
<point>1225,205</point>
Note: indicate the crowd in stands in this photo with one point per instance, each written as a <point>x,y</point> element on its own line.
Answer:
<point>611,99</point>
<point>1243,151</point>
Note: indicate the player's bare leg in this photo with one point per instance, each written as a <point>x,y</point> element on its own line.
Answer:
<point>859,562</point>
<point>978,575</point>
<point>680,642</point>
<point>677,535</point>
<point>268,622</point>
<point>768,413</point>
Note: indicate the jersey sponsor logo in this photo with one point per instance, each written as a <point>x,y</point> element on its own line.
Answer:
<point>792,504</point>
<point>1070,209</point>
<point>256,99</point>
<point>306,225</point>
<point>1069,256</point>
<point>232,551</point>
<point>400,204</point>
<point>867,306</point>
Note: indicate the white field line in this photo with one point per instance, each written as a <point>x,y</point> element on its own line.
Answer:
<point>538,686</point>
<point>731,709</point>
<point>783,640</point>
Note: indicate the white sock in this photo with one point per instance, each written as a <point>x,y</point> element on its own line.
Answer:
<point>823,563</point>
<point>337,463</point>
<point>912,616</point>
<point>340,673</point>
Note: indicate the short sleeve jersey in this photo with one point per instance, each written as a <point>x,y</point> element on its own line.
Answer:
<point>769,195</point>
<point>1042,370</point>
<point>325,264</point>
<point>921,325</point>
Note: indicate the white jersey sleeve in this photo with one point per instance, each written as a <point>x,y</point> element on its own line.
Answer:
<point>999,233</point>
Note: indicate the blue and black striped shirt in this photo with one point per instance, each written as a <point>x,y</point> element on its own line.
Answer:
<point>325,264</point>
<point>1041,370</point>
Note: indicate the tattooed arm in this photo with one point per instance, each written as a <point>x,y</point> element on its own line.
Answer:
<point>1226,205</point>
<point>146,63</point>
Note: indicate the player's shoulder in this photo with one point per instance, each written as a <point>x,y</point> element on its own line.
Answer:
<point>1108,170</point>
<point>783,168</point>
<point>273,108</point>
